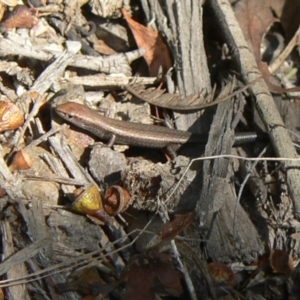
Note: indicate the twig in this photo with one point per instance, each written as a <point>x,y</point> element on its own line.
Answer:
<point>263,100</point>
<point>113,64</point>
<point>285,53</point>
<point>165,218</point>
<point>74,262</point>
<point>43,83</point>
<point>110,81</point>
<point>243,185</point>
<point>45,136</point>
<point>17,292</point>
<point>226,156</point>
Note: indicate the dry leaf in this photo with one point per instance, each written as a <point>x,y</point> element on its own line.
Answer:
<point>21,17</point>
<point>180,222</point>
<point>88,282</point>
<point>288,13</point>
<point>255,18</point>
<point>147,275</point>
<point>281,262</point>
<point>277,261</point>
<point>157,54</point>
<point>91,297</point>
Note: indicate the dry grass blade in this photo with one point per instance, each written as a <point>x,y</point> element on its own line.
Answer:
<point>86,260</point>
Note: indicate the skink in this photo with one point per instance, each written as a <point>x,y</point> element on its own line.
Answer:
<point>136,134</point>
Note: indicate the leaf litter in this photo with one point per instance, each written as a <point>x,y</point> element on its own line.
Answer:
<point>73,254</point>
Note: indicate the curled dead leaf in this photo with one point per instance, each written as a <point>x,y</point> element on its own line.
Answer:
<point>157,53</point>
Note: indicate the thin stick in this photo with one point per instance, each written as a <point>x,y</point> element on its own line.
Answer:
<point>227,156</point>
<point>243,186</point>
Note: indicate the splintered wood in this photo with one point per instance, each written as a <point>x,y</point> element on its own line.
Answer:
<point>82,217</point>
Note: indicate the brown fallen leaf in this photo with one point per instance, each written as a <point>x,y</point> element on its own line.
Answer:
<point>21,17</point>
<point>180,222</point>
<point>255,18</point>
<point>88,282</point>
<point>288,12</point>
<point>157,53</point>
<point>275,261</point>
<point>147,275</point>
<point>281,262</point>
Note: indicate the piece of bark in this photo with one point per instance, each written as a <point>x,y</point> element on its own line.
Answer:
<point>107,82</point>
<point>255,182</point>
<point>226,224</point>
<point>148,182</point>
<point>233,235</point>
<point>35,222</point>
<point>50,75</point>
<point>106,165</point>
<point>9,182</point>
<point>184,36</point>
<point>52,281</point>
<point>263,101</point>
<point>47,192</point>
<point>113,64</point>
<point>14,272</point>
<point>189,56</point>
<point>68,159</point>
<point>290,112</point>
<point>23,255</point>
